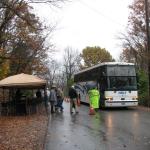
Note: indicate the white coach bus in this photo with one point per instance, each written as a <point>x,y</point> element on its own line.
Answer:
<point>116,81</point>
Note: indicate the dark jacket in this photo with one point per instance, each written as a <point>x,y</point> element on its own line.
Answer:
<point>73,93</point>
<point>38,94</point>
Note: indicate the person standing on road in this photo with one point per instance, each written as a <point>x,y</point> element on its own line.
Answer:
<point>60,98</point>
<point>53,98</point>
<point>94,97</point>
<point>73,100</point>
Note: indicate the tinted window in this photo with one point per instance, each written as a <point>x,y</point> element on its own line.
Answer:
<point>86,86</point>
<point>90,84</point>
<point>122,83</point>
<point>121,71</point>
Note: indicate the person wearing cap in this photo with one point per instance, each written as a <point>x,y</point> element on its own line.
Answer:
<point>94,97</point>
<point>53,98</point>
<point>73,99</point>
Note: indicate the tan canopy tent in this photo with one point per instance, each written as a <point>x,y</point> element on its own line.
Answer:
<point>22,81</point>
<point>10,85</point>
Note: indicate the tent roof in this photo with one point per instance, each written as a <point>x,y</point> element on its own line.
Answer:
<point>22,80</point>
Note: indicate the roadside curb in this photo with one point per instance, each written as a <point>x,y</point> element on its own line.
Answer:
<point>46,132</point>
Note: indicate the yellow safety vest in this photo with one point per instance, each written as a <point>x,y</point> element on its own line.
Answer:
<point>94,97</point>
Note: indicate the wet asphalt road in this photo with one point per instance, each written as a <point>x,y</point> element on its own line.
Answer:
<point>115,129</point>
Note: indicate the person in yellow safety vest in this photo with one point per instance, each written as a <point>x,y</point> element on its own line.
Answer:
<point>94,97</point>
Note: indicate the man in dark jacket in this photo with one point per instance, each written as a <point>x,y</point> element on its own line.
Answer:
<point>73,100</point>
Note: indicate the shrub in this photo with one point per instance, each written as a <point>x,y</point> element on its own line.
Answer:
<point>143,88</point>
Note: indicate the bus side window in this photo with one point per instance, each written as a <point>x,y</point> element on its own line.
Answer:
<point>102,83</point>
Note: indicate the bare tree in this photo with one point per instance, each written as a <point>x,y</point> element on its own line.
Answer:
<point>71,63</point>
<point>60,79</point>
<point>51,74</point>
<point>134,41</point>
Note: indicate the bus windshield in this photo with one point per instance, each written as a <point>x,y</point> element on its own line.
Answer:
<point>122,83</point>
<point>121,71</point>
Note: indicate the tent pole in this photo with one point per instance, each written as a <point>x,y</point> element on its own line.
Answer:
<point>3,95</point>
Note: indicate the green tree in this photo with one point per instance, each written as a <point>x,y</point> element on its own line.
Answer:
<point>95,55</point>
<point>143,88</point>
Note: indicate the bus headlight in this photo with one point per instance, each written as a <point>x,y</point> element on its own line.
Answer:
<point>109,98</point>
<point>135,98</point>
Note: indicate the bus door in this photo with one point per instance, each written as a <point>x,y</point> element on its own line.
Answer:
<point>103,87</point>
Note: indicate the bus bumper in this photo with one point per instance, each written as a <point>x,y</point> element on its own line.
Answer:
<point>109,103</point>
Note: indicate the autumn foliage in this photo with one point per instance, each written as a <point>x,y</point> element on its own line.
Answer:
<point>134,41</point>
<point>22,47</point>
<point>135,46</point>
<point>95,55</point>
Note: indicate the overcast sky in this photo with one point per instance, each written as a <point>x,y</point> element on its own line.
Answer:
<point>84,23</point>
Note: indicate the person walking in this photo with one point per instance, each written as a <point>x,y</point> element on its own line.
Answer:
<point>60,98</point>
<point>94,97</point>
<point>53,98</point>
<point>73,100</point>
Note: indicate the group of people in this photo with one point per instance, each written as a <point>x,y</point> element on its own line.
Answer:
<point>56,97</point>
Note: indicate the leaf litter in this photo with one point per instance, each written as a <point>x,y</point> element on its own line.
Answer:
<point>23,132</point>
